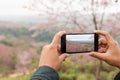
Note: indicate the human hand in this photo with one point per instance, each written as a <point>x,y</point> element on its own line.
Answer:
<point>109,50</point>
<point>51,54</point>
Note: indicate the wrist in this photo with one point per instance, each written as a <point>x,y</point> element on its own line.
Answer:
<point>118,66</point>
<point>52,67</point>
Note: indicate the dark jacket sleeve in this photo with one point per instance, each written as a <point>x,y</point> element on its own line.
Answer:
<point>45,73</point>
<point>117,76</point>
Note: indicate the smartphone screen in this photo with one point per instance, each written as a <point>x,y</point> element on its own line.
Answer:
<point>79,43</point>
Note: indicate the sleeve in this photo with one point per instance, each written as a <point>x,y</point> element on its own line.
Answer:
<point>45,73</point>
<point>117,76</point>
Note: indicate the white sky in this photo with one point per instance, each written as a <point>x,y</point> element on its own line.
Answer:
<point>15,7</point>
<point>86,38</point>
<point>77,5</point>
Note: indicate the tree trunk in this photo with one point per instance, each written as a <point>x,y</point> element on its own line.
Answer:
<point>98,70</point>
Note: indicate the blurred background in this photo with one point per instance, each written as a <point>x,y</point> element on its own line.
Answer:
<point>27,25</point>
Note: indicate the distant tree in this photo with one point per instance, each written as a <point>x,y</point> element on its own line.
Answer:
<point>24,60</point>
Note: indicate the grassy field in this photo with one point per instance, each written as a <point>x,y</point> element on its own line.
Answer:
<point>25,77</point>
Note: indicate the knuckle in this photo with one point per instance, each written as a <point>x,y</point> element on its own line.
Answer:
<point>106,33</point>
<point>52,46</point>
<point>115,43</point>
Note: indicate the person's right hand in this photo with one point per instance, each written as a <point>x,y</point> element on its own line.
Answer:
<point>109,50</point>
<point>51,54</point>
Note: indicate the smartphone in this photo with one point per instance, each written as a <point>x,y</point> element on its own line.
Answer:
<point>79,42</point>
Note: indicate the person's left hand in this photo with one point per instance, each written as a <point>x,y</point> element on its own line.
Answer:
<point>51,54</point>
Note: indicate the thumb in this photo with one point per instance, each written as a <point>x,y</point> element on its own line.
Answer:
<point>63,57</point>
<point>100,56</point>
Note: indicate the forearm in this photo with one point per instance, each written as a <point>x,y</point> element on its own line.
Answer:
<point>45,73</point>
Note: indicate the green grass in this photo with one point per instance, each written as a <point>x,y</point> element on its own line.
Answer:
<point>25,77</point>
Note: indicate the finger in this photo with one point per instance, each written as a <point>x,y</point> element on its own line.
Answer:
<point>59,50</point>
<point>102,50</point>
<point>57,38</point>
<point>107,36</point>
<point>102,41</point>
<point>63,57</point>
<point>98,55</point>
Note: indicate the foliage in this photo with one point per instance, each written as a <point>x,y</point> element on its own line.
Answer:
<point>46,36</point>
<point>84,71</point>
<point>39,50</point>
<point>6,42</point>
<point>118,39</point>
<point>69,69</point>
<point>15,32</point>
<point>24,77</point>
<point>72,71</point>
<point>34,64</point>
